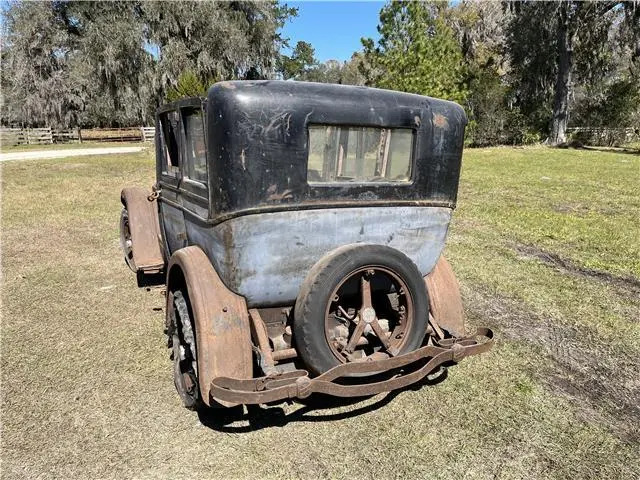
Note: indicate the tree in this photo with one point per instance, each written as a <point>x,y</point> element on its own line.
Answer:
<point>189,85</point>
<point>109,60</point>
<point>479,30</point>
<point>35,71</point>
<point>112,63</point>
<point>225,40</point>
<point>301,60</point>
<point>552,46</point>
<point>335,71</point>
<point>417,52</point>
<point>610,96</point>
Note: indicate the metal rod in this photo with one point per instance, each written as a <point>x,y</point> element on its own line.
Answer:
<point>286,354</point>
<point>289,353</point>
<point>259,333</point>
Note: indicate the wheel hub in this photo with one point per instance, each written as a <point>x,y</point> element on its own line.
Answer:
<point>354,325</point>
<point>368,315</point>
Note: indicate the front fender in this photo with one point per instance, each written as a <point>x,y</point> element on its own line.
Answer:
<point>144,227</point>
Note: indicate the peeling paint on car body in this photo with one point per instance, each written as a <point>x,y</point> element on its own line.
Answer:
<point>263,225</point>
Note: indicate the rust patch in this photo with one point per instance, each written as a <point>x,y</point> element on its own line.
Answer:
<point>275,196</point>
<point>297,384</point>
<point>144,229</point>
<point>440,121</point>
<point>445,303</point>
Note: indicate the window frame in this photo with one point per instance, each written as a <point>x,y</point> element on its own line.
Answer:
<point>188,166</point>
<point>336,183</point>
<point>174,176</point>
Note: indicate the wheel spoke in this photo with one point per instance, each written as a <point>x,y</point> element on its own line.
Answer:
<point>365,287</point>
<point>375,325</point>
<point>355,336</point>
<point>345,314</point>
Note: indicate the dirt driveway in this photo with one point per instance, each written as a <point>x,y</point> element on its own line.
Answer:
<point>62,153</point>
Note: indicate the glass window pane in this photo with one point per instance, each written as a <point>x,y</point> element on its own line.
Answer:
<point>169,139</point>
<point>196,147</point>
<point>359,154</point>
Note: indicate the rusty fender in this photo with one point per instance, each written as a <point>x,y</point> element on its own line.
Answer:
<point>221,321</point>
<point>145,230</point>
<point>445,303</point>
<point>297,384</point>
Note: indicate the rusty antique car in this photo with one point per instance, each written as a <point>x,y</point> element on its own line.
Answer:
<point>299,230</point>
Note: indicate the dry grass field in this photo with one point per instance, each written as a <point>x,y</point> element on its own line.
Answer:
<point>546,245</point>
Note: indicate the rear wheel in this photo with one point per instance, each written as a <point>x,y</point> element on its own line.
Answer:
<point>182,342</point>
<point>126,243</point>
<point>359,303</point>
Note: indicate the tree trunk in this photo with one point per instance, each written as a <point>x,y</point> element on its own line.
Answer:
<point>633,18</point>
<point>563,78</point>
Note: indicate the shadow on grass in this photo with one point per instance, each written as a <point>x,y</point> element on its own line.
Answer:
<point>632,151</point>
<point>267,416</point>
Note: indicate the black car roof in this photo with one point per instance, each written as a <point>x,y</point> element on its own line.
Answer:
<point>257,144</point>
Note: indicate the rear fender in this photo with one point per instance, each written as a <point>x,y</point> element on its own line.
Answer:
<point>445,302</point>
<point>221,320</point>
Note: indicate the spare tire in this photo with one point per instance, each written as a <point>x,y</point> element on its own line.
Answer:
<point>360,301</point>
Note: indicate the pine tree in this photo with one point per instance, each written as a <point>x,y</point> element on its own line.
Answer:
<point>417,52</point>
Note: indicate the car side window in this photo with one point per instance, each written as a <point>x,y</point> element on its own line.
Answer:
<point>196,150</point>
<point>169,133</point>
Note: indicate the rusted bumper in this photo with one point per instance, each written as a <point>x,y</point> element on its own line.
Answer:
<point>297,384</point>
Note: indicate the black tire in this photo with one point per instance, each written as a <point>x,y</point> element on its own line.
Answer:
<point>311,305</point>
<point>125,240</point>
<point>179,314</point>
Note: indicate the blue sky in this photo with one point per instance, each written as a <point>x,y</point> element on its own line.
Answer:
<point>333,28</point>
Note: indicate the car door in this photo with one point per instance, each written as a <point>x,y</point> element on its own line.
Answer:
<point>194,183</point>
<point>170,175</point>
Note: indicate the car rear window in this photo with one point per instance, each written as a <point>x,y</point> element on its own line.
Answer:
<point>359,154</point>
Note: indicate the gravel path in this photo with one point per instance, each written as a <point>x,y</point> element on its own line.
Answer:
<point>40,154</point>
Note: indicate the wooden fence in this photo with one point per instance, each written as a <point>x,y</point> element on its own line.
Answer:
<point>18,136</point>
<point>148,134</point>
<point>39,136</point>
<point>603,135</point>
<point>13,136</point>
